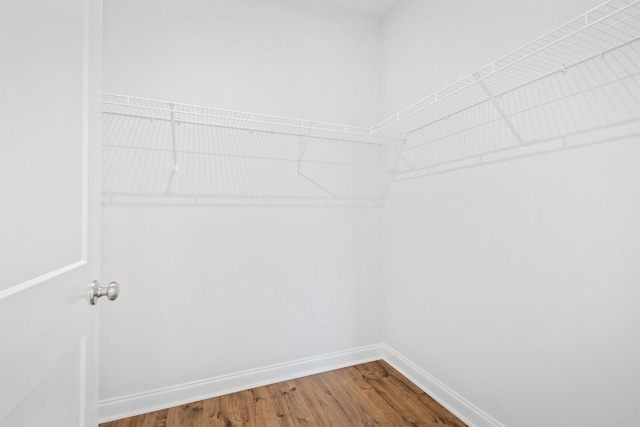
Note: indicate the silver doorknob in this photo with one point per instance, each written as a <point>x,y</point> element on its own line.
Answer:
<point>96,291</point>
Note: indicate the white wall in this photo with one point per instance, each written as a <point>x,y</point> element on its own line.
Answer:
<point>214,291</point>
<point>513,284</point>
<point>302,59</point>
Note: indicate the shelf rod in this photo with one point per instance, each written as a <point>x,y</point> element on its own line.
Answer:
<point>242,156</point>
<point>497,106</point>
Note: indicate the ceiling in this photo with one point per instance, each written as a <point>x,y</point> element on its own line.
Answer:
<point>376,8</point>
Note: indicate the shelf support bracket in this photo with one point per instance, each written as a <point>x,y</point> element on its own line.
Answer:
<point>499,109</point>
<point>173,148</point>
<point>400,154</point>
<point>173,136</point>
<point>303,148</point>
<point>321,187</point>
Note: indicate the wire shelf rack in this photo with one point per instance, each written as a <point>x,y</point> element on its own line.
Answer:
<point>162,152</point>
<point>565,88</point>
<point>574,86</point>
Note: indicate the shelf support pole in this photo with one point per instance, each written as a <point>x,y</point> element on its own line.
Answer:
<point>499,109</point>
<point>320,186</point>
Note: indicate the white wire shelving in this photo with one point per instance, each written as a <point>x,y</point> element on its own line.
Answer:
<point>168,153</point>
<point>576,85</point>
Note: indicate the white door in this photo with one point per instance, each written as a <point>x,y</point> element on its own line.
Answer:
<point>50,54</point>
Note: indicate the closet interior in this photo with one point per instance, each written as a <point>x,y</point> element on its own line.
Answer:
<point>560,91</point>
<point>368,267</point>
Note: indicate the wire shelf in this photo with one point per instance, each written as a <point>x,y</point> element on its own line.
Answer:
<point>576,85</point>
<point>132,107</point>
<point>162,152</point>
<point>576,80</point>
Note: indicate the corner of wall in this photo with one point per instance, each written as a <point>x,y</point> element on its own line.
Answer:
<point>456,404</point>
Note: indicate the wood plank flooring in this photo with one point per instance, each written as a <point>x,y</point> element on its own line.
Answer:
<point>371,394</point>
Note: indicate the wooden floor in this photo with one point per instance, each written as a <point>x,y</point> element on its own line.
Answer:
<point>371,394</point>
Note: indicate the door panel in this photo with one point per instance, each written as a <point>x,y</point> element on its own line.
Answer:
<point>42,46</point>
<point>40,327</point>
<point>50,54</point>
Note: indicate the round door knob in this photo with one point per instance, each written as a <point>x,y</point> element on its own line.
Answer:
<point>112,291</point>
<point>96,291</point>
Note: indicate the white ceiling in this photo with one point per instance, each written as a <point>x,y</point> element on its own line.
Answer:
<point>376,8</point>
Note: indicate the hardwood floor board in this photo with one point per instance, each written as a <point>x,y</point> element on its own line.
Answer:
<point>189,415</point>
<point>138,421</point>
<point>152,419</point>
<point>245,408</point>
<point>289,405</point>
<point>161,418</point>
<point>384,369</point>
<point>263,408</point>
<point>238,409</point>
<point>446,417</point>
<point>363,411</point>
<point>353,406</point>
<point>395,393</point>
<point>118,423</point>
<point>213,414</point>
<point>422,401</point>
<point>368,395</point>
<point>385,413</point>
<point>326,410</point>
<point>216,413</point>
<point>403,394</point>
<point>397,396</point>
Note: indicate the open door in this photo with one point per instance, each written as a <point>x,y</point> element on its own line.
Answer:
<point>50,60</point>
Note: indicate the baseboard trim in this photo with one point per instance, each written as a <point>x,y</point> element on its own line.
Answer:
<point>140,403</point>
<point>456,404</point>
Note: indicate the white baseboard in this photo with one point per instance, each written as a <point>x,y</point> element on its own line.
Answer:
<point>456,404</point>
<point>140,403</point>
